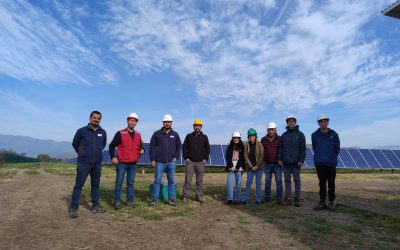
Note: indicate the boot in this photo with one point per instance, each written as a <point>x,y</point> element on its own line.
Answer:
<point>321,206</point>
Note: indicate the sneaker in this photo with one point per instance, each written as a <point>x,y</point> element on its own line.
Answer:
<point>98,209</point>
<point>131,204</point>
<point>172,203</point>
<point>117,205</point>
<point>288,201</point>
<point>199,200</point>
<point>297,203</point>
<point>229,202</point>
<point>73,213</point>
<point>331,206</point>
<point>321,206</point>
<point>153,203</point>
<point>279,201</point>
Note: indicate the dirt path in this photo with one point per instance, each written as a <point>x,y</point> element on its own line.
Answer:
<point>34,215</point>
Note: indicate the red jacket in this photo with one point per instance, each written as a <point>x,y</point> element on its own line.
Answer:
<point>129,149</point>
<point>271,149</point>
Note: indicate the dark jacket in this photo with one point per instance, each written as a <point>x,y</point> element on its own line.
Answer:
<point>229,155</point>
<point>89,144</point>
<point>196,147</point>
<point>271,149</point>
<point>326,147</point>
<point>164,146</point>
<point>293,147</point>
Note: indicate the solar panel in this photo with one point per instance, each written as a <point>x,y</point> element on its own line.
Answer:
<point>309,162</point>
<point>392,158</point>
<point>358,158</point>
<point>381,158</point>
<point>369,157</point>
<point>348,162</point>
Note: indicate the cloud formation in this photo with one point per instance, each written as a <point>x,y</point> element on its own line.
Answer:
<point>317,53</point>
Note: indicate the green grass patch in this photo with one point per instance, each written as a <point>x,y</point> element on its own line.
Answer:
<point>32,172</point>
<point>7,173</point>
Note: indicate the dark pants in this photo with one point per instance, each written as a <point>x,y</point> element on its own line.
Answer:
<point>82,172</point>
<point>191,168</point>
<point>326,174</point>
<point>288,171</point>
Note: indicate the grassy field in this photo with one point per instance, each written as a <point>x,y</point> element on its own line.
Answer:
<point>350,227</point>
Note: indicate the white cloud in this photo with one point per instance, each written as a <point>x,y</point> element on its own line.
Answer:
<point>320,55</point>
<point>36,46</point>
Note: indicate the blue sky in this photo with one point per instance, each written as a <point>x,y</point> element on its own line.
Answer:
<point>233,64</point>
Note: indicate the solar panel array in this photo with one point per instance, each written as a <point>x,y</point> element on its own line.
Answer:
<point>348,157</point>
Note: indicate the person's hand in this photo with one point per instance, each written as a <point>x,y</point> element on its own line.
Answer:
<point>187,160</point>
<point>233,169</point>
<point>204,160</point>
<point>114,161</point>
<point>299,164</point>
<point>280,163</point>
<point>254,168</point>
<point>174,159</point>
<point>141,151</point>
<point>153,163</point>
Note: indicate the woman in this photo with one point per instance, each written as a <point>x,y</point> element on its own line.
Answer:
<point>235,167</point>
<point>254,159</point>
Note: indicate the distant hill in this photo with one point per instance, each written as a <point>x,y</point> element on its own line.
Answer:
<point>32,146</point>
<point>392,147</point>
<point>12,157</point>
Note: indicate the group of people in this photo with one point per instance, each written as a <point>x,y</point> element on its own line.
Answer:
<point>273,154</point>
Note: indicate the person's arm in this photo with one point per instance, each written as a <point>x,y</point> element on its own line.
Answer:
<point>280,152</point>
<point>178,145</point>
<point>261,156</point>
<point>104,139</point>
<point>114,143</point>
<point>313,141</point>
<point>152,150</point>
<point>246,153</point>
<point>337,144</point>
<point>77,140</point>
<point>207,149</point>
<point>303,148</point>
<point>185,148</point>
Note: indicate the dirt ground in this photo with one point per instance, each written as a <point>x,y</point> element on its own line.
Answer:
<point>34,215</point>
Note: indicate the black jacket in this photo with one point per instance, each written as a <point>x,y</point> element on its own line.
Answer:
<point>89,144</point>
<point>293,147</point>
<point>196,147</point>
<point>229,155</point>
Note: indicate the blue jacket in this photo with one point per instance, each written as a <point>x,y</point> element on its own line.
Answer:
<point>292,147</point>
<point>164,146</point>
<point>89,144</point>
<point>326,147</point>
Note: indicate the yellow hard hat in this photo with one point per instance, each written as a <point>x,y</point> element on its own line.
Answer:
<point>198,122</point>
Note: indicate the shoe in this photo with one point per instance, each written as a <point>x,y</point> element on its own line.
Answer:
<point>73,213</point>
<point>297,203</point>
<point>331,206</point>
<point>258,203</point>
<point>172,203</point>
<point>321,206</point>
<point>153,203</point>
<point>229,202</point>
<point>236,202</point>
<point>245,202</point>
<point>288,201</point>
<point>117,205</point>
<point>199,200</point>
<point>267,200</point>
<point>98,209</point>
<point>279,201</point>
<point>131,204</point>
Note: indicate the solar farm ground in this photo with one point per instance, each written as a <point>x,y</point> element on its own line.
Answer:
<point>34,202</point>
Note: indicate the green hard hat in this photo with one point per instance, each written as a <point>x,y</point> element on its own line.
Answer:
<point>251,131</point>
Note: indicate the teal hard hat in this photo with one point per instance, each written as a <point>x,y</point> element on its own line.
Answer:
<point>251,131</point>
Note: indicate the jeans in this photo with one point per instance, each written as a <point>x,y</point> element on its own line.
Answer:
<point>250,176</point>
<point>82,172</point>
<point>130,169</point>
<point>277,171</point>
<point>169,168</point>
<point>288,172</point>
<point>326,174</point>
<point>233,179</point>
<point>198,168</point>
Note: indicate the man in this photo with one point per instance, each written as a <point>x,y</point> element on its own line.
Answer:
<point>271,143</point>
<point>89,142</point>
<point>326,146</point>
<point>254,158</point>
<point>196,151</point>
<point>130,148</point>
<point>292,153</point>
<point>165,147</point>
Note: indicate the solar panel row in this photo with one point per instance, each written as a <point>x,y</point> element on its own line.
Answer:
<point>348,157</point>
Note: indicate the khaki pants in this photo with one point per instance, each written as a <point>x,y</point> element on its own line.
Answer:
<point>198,168</point>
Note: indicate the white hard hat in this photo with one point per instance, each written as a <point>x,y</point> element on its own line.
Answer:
<point>236,134</point>
<point>167,118</point>
<point>133,115</point>
<point>271,125</point>
<point>322,117</point>
<point>291,117</point>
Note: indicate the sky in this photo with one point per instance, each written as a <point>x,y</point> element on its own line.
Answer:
<point>233,64</point>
